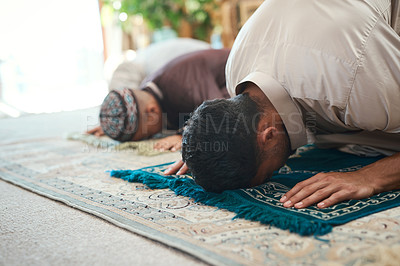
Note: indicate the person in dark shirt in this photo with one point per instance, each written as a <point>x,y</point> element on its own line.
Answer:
<point>170,95</point>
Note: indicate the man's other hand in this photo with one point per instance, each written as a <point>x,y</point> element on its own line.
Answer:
<point>178,168</point>
<point>97,131</point>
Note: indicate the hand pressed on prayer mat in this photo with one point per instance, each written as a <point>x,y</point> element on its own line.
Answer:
<point>262,203</point>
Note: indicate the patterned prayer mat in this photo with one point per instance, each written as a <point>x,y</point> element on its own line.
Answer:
<point>144,147</point>
<point>262,203</point>
<point>75,173</point>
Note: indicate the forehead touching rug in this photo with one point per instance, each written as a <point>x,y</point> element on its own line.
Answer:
<point>262,203</point>
<point>75,173</point>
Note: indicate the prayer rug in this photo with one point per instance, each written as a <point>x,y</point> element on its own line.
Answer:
<point>34,155</point>
<point>144,147</point>
<point>262,203</point>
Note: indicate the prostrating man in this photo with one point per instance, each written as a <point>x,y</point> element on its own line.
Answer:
<point>327,68</point>
<point>175,91</point>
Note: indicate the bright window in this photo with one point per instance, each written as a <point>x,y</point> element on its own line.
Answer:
<point>51,55</point>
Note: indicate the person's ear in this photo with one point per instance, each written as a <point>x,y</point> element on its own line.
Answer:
<point>152,111</point>
<point>151,108</point>
<point>267,136</point>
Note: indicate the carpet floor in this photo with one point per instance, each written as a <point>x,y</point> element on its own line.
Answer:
<point>35,156</point>
<point>35,230</point>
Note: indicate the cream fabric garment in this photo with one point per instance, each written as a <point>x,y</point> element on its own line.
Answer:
<point>130,74</point>
<point>338,61</point>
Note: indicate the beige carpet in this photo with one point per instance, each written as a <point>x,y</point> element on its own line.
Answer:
<point>35,230</point>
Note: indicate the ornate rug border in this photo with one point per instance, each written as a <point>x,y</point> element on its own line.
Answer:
<point>122,222</point>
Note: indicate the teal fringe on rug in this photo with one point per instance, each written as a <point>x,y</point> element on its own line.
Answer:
<point>188,188</point>
<point>262,203</point>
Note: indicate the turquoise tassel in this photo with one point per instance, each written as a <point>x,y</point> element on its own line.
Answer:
<point>226,200</point>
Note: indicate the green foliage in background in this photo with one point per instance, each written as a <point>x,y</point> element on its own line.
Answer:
<point>158,13</point>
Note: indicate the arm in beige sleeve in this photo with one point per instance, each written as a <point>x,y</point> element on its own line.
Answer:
<point>374,105</point>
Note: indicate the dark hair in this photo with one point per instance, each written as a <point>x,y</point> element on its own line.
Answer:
<point>219,143</point>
